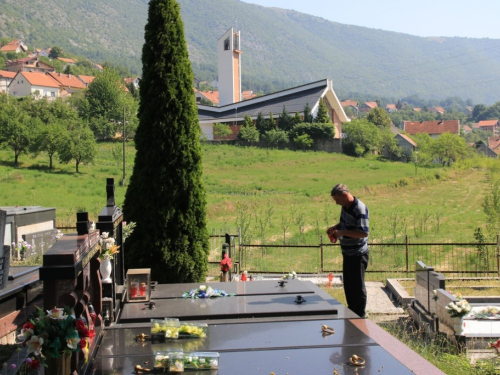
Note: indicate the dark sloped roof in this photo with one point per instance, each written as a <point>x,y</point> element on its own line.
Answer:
<point>294,102</point>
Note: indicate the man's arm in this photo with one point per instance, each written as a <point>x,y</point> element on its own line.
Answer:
<point>349,233</point>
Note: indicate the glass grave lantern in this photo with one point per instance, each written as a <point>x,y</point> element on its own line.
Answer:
<point>139,285</point>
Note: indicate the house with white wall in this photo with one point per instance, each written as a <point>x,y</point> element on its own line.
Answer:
<point>39,85</point>
<point>5,80</point>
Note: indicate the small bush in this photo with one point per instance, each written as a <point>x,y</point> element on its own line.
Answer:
<point>314,130</point>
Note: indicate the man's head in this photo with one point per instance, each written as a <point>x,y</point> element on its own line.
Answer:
<point>341,195</point>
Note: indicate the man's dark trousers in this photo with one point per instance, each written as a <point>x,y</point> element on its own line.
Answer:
<point>353,274</point>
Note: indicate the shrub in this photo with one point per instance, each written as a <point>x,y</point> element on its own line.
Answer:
<point>314,130</point>
<point>303,141</point>
<point>275,137</point>
<point>249,134</point>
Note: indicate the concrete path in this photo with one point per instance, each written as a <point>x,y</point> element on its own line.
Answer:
<point>379,306</point>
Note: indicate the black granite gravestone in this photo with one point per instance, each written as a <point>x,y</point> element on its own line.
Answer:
<point>4,253</point>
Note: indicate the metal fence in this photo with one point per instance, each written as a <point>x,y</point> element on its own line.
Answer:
<point>479,259</point>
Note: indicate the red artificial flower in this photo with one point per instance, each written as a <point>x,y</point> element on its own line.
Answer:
<point>33,364</point>
<point>82,328</point>
<point>83,343</point>
<point>495,345</point>
<point>91,334</point>
<point>29,325</point>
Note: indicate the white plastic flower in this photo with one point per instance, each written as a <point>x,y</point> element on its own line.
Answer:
<point>105,235</point>
<point>34,345</point>
<point>203,287</point>
<point>73,342</point>
<point>56,313</point>
<point>210,291</point>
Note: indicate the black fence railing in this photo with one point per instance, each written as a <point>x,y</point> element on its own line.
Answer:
<point>479,259</point>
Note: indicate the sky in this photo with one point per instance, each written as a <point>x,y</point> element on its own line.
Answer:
<point>450,18</point>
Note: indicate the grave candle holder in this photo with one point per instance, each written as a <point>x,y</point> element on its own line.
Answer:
<point>139,285</point>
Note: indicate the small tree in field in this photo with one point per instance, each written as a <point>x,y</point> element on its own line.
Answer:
<point>165,196</point>
<point>221,130</point>
<point>79,145</point>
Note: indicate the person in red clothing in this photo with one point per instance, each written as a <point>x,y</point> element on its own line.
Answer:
<point>225,266</point>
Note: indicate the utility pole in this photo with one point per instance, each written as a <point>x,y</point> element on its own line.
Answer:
<point>123,137</point>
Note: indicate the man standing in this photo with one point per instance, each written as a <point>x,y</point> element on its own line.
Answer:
<point>352,231</point>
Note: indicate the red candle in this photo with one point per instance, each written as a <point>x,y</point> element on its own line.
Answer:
<point>142,289</point>
<point>133,291</point>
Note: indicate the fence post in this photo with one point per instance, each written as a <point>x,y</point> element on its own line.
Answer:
<point>406,250</point>
<point>240,259</point>
<point>498,255</point>
<point>321,248</point>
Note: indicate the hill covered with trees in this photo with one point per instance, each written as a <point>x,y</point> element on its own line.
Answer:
<point>281,48</point>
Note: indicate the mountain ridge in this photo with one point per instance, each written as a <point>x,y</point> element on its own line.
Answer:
<point>281,48</point>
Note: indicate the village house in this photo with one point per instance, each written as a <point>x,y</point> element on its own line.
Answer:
<point>248,94</point>
<point>5,80</point>
<point>391,108</point>
<point>488,125</point>
<point>211,96</point>
<point>368,106</point>
<point>483,148</point>
<point>407,145</point>
<point>16,46</point>
<point>68,82</point>
<point>466,129</point>
<point>37,84</point>
<point>494,144</point>
<point>433,128</point>
<point>87,80</point>
<point>28,64</point>
<point>439,110</point>
<point>132,81</point>
<point>67,61</point>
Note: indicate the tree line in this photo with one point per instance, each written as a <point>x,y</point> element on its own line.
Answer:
<point>68,129</point>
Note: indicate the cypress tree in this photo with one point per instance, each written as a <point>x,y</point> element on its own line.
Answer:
<point>322,115</point>
<point>308,117</point>
<point>165,196</point>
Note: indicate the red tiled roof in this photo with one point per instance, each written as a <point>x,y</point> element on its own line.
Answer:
<point>467,128</point>
<point>437,109</point>
<point>6,74</point>
<point>9,48</point>
<point>87,79</point>
<point>128,81</point>
<point>349,102</point>
<point>416,109</point>
<point>40,79</point>
<point>69,61</point>
<point>248,94</point>
<point>412,142</point>
<point>432,127</point>
<point>213,96</point>
<point>488,123</point>
<point>391,106</point>
<point>68,80</point>
<point>494,143</point>
<point>371,104</point>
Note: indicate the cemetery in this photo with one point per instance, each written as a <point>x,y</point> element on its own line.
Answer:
<point>128,324</point>
<point>473,320</point>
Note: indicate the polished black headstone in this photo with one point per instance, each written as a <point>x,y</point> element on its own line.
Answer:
<point>244,288</point>
<point>243,336</point>
<point>227,307</point>
<point>291,361</point>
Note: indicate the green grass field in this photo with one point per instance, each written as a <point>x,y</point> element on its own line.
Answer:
<point>277,193</point>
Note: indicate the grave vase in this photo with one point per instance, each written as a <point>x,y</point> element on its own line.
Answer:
<point>458,325</point>
<point>105,269</point>
<point>59,366</point>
